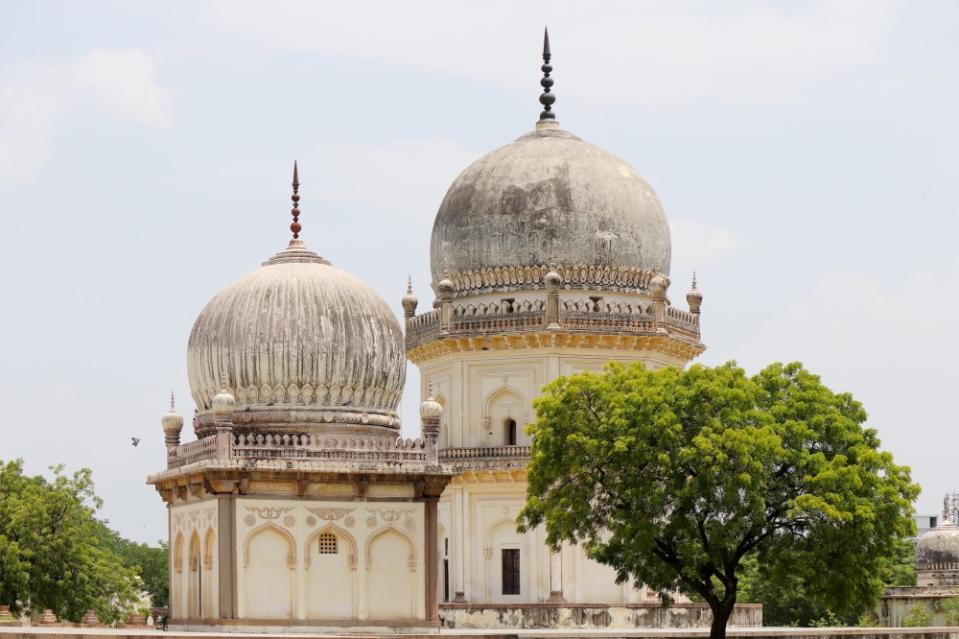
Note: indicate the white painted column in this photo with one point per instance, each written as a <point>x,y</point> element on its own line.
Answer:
<point>362,609</point>
<point>556,577</point>
<point>466,544</point>
<point>457,541</point>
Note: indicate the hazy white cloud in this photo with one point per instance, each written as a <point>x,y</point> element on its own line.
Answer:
<point>697,244</point>
<point>662,55</point>
<point>891,344</point>
<point>33,97</point>
<point>408,174</point>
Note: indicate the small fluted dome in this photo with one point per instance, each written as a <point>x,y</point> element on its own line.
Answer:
<point>938,549</point>
<point>223,404</point>
<point>172,422</point>
<point>299,344</point>
<point>549,198</point>
<point>431,409</point>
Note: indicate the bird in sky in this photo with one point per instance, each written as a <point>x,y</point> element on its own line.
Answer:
<point>135,440</point>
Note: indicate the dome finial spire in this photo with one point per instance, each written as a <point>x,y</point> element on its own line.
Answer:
<point>295,226</point>
<point>409,284</point>
<point>172,402</point>
<point>546,98</point>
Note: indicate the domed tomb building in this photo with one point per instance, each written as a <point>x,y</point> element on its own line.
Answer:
<point>298,504</point>
<point>549,256</point>
<point>937,576</point>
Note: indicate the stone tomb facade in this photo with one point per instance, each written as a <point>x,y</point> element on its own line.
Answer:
<point>550,256</point>
<point>298,504</point>
<point>937,578</point>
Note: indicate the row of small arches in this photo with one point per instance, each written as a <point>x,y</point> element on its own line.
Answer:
<point>317,441</point>
<point>612,308</point>
<point>629,277</point>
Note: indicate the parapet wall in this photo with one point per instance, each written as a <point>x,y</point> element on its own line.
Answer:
<point>691,633</point>
<point>589,616</point>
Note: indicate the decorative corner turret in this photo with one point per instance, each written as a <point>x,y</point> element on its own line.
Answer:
<point>431,411</point>
<point>409,300</point>
<point>172,425</point>
<point>657,289</point>
<point>444,295</point>
<point>553,282</point>
<point>694,297</point>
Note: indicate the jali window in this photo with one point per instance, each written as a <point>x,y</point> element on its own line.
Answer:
<point>328,544</point>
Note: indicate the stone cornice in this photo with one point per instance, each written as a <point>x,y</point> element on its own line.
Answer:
<point>665,344</point>
<point>206,481</point>
<point>531,277</point>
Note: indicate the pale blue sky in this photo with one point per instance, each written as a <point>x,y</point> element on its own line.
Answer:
<point>805,154</point>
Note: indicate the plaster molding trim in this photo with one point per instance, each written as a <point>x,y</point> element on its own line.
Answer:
<point>663,344</point>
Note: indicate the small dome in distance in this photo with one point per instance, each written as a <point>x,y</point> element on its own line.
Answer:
<point>937,555</point>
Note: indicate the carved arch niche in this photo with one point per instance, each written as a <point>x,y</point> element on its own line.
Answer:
<point>391,579</point>
<point>329,556</point>
<point>209,553</point>
<point>269,573</point>
<point>176,585</point>
<point>505,414</point>
<point>194,578</point>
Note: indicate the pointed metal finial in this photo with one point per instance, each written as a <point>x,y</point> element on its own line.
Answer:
<point>546,98</point>
<point>694,280</point>
<point>430,391</point>
<point>295,226</point>
<point>172,402</point>
<point>409,284</point>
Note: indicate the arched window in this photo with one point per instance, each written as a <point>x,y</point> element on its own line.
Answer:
<point>510,432</point>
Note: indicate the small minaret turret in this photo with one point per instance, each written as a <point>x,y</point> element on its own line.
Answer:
<point>172,425</point>
<point>694,297</point>
<point>223,406</point>
<point>431,411</point>
<point>409,300</point>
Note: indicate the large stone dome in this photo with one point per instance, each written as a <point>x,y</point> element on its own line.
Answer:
<point>300,344</point>
<point>549,199</point>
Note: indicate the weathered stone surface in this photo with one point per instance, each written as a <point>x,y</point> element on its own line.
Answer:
<point>295,339</point>
<point>589,616</point>
<point>550,198</point>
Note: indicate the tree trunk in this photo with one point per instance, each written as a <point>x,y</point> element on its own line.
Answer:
<point>721,614</point>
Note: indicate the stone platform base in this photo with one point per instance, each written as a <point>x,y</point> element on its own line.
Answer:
<point>459,616</point>
<point>649,633</point>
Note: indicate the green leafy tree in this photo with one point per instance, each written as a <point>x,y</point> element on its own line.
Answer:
<point>789,601</point>
<point>918,616</point>
<point>51,555</point>
<point>674,477</point>
<point>151,563</point>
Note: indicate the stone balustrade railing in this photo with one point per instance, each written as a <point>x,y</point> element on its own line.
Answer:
<point>585,315</point>
<point>192,452</point>
<point>227,446</point>
<point>486,457</point>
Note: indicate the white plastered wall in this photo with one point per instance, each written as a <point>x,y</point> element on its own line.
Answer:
<point>480,390</point>
<point>377,573</point>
